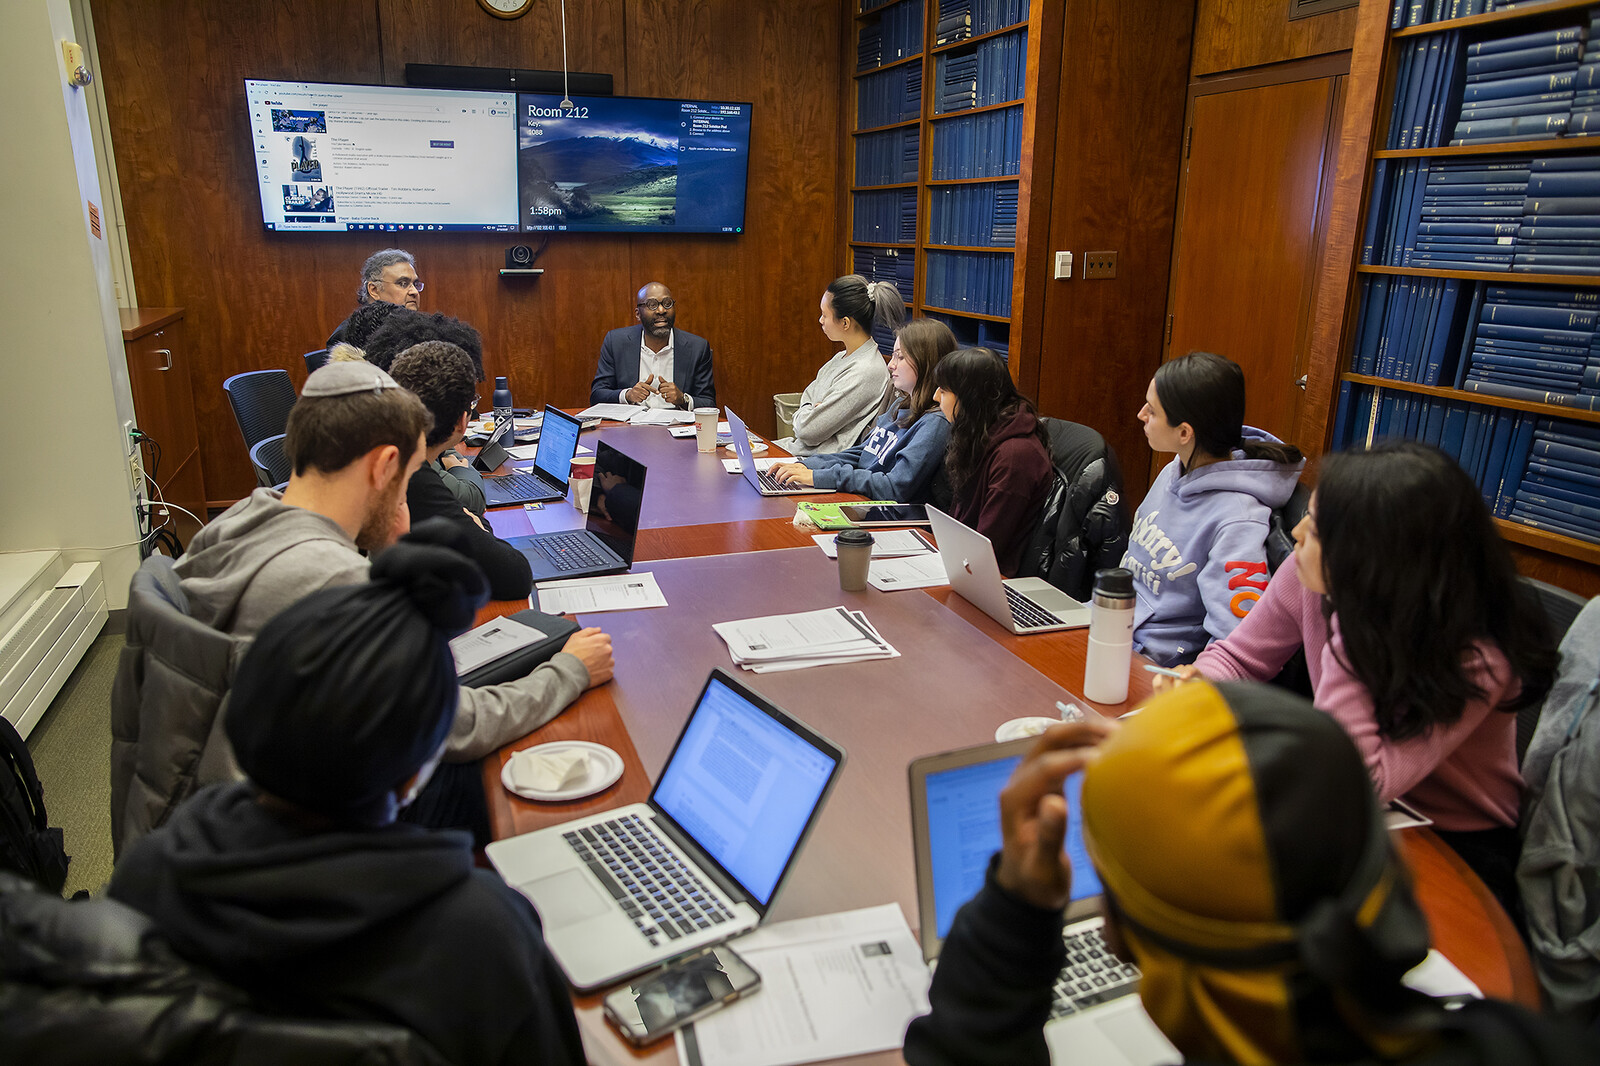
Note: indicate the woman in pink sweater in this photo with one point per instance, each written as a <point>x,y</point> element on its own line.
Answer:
<point>1418,640</point>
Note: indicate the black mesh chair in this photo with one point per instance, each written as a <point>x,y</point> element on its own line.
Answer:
<point>272,466</point>
<point>316,360</point>
<point>1083,526</point>
<point>261,401</point>
<point>1560,608</point>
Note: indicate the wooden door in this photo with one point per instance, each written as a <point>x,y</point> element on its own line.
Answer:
<point>1251,206</point>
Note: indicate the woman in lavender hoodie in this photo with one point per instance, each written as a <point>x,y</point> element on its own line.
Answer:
<point>1198,545</point>
<point>1418,640</point>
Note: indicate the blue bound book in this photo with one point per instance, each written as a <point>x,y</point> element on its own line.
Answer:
<point>1511,314</point>
<point>1516,463</point>
<point>1464,358</point>
<point>1577,434</point>
<point>1514,392</point>
<point>1515,108</point>
<point>1522,41</point>
<point>1495,462</point>
<point>1545,472</point>
<point>1499,293</point>
<point>1570,453</point>
<point>1455,428</point>
<point>1445,338</point>
<point>1499,90</point>
<point>1373,306</point>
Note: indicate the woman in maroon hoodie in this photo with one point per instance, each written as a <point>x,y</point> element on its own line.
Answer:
<point>997,463</point>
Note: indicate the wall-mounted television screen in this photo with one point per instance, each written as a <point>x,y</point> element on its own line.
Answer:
<point>368,157</point>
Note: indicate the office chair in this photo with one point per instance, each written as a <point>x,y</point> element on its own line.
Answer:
<point>1560,608</point>
<point>316,360</point>
<point>1084,524</point>
<point>261,401</point>
<point>272,466</point>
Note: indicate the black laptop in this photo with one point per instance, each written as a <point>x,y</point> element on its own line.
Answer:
<point>552,463</point>
<point>605,544</point>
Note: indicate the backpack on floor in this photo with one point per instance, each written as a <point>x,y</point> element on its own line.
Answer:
<point>28,845</point>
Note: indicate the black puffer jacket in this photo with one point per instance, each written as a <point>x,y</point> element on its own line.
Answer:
<point>1084,527</point>
<point>93,983</point>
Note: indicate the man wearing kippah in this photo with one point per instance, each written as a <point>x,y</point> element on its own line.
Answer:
<point>355,438</point>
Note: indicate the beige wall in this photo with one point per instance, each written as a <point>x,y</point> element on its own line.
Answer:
<point>64,393</point>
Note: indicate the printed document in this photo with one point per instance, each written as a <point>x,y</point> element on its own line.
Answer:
<point>886,544</point>
<point>616,412</point>
<point>834,985</point>
<point>908,572</point>
<point>491,641</point>
<point>662,416</point>
<point>733,466</point>
<point>614,592</point>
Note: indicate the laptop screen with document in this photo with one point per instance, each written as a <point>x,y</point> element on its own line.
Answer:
<point>963,811</point>
<point>558,443</point>
<point>744,784</point>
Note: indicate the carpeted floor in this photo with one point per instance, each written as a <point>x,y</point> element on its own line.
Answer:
<point>71,748</point>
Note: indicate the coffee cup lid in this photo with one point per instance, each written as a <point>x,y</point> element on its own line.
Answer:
<point>853,536</point>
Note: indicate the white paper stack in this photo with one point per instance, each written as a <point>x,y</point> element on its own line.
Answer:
<point>810,638</point>
<point>886,543</point>
<point>661,416</point>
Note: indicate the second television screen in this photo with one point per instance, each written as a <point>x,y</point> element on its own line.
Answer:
<point>629,163</point>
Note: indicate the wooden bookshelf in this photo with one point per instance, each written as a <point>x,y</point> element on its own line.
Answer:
<point>1482,399</point>
<point>1037,54</point>
<point>1375,60</point>
<point>915,57</point>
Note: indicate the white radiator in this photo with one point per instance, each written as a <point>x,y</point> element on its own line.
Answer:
<point>49,613</point>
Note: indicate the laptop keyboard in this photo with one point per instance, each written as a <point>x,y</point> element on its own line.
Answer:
<point>1026,613</point>
<point>570,551</point>
<point>519,484</point>
<point>660,894</point>
<point>770,482</point>
<point>1092,974</point>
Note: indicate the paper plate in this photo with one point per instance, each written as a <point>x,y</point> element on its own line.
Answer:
<point>1018,728</point>
<point>605,767</point>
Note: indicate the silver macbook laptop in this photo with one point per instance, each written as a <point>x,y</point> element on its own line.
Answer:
<point>1096,1016</point>
<point>605,544</point>
<point>552,463</point>
<point>1021,604</point>
<point>699,863</point>
<point>762,481</point>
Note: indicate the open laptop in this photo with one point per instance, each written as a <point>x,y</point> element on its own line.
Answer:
<point>605,544</point>
<point>1096,1016</point>
<point>552,463</point>
<point>699,863</point>
<point>1021,604</point>
<point>762,481</point>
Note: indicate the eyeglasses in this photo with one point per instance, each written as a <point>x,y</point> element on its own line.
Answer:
<point>658,305</point>
<point>473,409</point>
<point>407,283</point>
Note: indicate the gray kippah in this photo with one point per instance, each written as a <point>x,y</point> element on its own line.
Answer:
<point>342,379</point>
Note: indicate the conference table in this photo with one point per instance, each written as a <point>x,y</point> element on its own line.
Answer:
<point>719,552</point>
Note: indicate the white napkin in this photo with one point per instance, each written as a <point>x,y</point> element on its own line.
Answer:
<point>549,772</point>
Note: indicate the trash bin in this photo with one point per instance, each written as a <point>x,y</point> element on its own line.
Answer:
<point>785,404</point>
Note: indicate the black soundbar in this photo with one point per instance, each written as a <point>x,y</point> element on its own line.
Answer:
<point>441,76</point>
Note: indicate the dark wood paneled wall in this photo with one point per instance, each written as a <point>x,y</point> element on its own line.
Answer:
<point>1119,134</point>
<point>174,73</point>
<point>1234,34</point>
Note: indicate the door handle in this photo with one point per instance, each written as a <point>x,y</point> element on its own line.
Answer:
<point>168,353</point>
<point>1301,383</point>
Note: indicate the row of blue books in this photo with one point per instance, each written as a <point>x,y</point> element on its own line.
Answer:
<point>895,35</point>
<point>894,265</point>
<point>978,333</point>
<point>1520,342</point>
<point>960,19</point>
<point>1535,344</point>
<point>889,96</point>
<point>1521,88</point>
<point>888,157</point>
<point>994,72</point>
<point>985,145</point>
<point>973,215</point>
<point>1585,118</point>
<point>979,282</point>
<point>1427,91</point>
<point>1560,227</point>
<point>888,216</point>
<point>1491,444</point>
<point>1417,12</point>
<point>1560,489</point>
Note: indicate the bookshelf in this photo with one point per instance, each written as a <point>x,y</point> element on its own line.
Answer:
<point>954,156</point>
<point>1455,330</point>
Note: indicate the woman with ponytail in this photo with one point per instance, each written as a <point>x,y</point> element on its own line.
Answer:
<point>300,886</point>
<point>1198,545</point>
<point>836,409</point>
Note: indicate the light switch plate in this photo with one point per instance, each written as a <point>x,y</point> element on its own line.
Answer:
<point>1063,266</point>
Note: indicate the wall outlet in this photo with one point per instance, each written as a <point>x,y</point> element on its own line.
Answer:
<point>130,444</point>
<point>1063,266</point>
<point>1099,265</point>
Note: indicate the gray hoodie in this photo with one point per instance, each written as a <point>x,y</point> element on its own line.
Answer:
<point>262,555</point>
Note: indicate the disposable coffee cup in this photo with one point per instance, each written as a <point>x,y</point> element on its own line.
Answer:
<point>855,557</point>
<point>705,429</point>
<point>580,481</point>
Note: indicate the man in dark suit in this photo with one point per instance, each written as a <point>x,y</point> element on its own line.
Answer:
<point>652,363</point>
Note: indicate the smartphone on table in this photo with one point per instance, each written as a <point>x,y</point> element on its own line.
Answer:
<point>684,990</point>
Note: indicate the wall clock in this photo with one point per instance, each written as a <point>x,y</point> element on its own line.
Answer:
<point>506,9</point>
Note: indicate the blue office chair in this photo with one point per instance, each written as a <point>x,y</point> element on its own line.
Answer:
<point>261,401</point>
<point>316,360</point>
<point>272,466</point>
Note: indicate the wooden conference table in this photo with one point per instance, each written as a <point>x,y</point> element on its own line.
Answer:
<point>720,552</point>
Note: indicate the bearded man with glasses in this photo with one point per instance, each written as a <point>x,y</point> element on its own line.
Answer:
<point>654,364</point>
